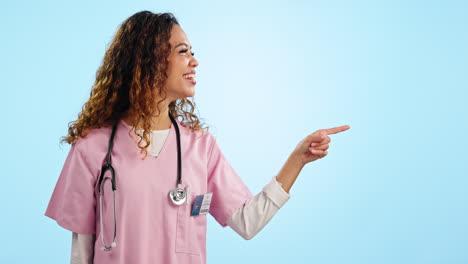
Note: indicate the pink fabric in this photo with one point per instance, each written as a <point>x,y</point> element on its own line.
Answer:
<point>150,229</point>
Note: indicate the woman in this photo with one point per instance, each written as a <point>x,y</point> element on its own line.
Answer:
<point>139,95</point>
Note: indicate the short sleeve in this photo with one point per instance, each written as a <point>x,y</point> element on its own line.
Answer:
<point>73,200</point>
<point>229,191</point>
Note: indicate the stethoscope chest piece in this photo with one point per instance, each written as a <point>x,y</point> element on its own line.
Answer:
<point>178,196</point>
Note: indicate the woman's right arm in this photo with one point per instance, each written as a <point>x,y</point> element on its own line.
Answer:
<point>82,248</point>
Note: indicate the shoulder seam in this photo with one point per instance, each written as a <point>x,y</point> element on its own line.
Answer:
<point>85,157</point>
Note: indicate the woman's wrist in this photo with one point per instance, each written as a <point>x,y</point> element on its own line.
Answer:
<point>289,172</point>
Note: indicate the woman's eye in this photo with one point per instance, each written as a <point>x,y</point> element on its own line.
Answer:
<point>184,50</point>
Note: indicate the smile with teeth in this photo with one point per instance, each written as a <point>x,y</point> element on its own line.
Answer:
<point>190,78</point>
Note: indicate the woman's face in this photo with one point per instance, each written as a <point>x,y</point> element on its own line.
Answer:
<point>181,63</point>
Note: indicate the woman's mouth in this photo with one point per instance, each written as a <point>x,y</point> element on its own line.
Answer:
<point>190,78</point>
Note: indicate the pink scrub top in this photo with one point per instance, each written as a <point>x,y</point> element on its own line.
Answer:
<point>150,228</point>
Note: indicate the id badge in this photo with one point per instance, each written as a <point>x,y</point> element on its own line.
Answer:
<point>201,205</point>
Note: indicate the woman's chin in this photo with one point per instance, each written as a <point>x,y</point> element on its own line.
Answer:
<point>190,92</point>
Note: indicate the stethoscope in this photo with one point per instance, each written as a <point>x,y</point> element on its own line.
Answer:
<point>177,195</point>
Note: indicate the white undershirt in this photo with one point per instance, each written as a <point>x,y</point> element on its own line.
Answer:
<point>247,221</point>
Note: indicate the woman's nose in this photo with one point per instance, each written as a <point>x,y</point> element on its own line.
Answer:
<point>193,62</point>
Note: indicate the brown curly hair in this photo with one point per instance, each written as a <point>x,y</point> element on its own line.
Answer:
<point>132,75</point>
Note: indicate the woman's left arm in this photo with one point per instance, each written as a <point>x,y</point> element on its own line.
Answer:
<point>248,220</point>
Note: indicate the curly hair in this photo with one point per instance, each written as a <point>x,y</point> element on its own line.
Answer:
<point>131,77</point>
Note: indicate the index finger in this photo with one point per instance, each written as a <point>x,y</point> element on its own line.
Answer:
<point>335,130</point>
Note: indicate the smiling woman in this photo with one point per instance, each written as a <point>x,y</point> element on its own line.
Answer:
<point>142,88</point>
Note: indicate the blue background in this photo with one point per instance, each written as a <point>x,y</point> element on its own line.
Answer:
<point>393,188</point>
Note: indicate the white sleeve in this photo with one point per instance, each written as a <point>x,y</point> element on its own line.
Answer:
<point>82,248</point>
<point>258,211</point>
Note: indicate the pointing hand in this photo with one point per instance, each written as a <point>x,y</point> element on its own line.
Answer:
<point>315,145</point>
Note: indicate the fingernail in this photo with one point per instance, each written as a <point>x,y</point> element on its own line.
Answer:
<point>313,144</point>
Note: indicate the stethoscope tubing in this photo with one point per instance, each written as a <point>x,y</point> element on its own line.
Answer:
<point>108,166</point>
